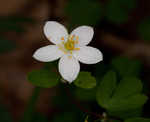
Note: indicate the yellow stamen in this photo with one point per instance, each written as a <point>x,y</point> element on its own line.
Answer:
<point>76,42</point>
<point>62,38</point>
<point>70,45</point>
<point>72,37</point>
<point>77,38</point>
<point>76,48</point>
<point>62,48</point>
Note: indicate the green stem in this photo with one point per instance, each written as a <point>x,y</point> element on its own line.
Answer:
<point>29,112</point>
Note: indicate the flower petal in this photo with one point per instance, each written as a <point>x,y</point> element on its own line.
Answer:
<point>88,55</point>
<point>55,32</point>
<point>48,53</point>
<point>69,68</point>
<point>84,34</point>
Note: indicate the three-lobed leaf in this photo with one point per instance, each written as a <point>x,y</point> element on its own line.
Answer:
<point>119,98</point>
<point>106,88</point>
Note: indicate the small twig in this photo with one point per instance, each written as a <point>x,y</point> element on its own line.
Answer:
<point>81,107</point>
<point>87,111</point>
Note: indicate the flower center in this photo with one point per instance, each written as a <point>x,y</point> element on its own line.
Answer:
<point>70,45</point>
<point>71,42</point>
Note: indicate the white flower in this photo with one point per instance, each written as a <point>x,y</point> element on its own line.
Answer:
<point>69,48</point>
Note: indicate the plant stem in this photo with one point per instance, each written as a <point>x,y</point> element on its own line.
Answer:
<point>80,106</point>
<point>29,111</point>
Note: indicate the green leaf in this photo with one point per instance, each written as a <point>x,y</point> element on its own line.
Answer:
<point>85,94</point>
<point>137,120</point>
<point>6,45</point>
<point>118,11</point>
<point>106,88</point>
<point>85,80</point>
<point>119,100</point>
<point>127,87</point>
<point>80,15</point>
<point>122,102</point>
<point>144,29</point>
<point>126,67</point>
<point>43,78</point>
<point>127,103</point>
<point>126,114</point>
<point>50,65</point>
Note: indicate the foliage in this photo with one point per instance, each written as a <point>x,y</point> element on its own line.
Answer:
<point>116,87</point>
<point>106,88</point>
<point>85,80</point>
<point>116,91</point>
<point>43,78</point>
<point>85,94</point>
<point>119,98</point>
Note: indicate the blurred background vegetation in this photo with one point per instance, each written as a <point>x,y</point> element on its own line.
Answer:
<point>122,28</point>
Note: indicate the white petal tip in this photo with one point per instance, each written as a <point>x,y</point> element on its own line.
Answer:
<point>48,53</point>
<point>88,55</point>
<point>54,31</point>
<point>69,68</point>
<point>36,57</point>
<point>100,58</point>
<point>85,34</point>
